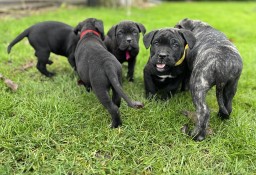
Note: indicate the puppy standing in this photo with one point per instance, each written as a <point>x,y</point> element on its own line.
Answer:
<point>214,60</point>
<point>166,68</point>
<point>122,40</point>
<point>47,37</point>
<point>99,69</point>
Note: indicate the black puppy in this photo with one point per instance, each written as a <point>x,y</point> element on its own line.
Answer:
<point>99,69</point>
<point>122,40</point>
<point>214,60</point>
<point>46,37</point>
<point>166,68</point>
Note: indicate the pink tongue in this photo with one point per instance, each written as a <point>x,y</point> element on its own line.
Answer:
<point>161,66</point>
<point>127,55</point>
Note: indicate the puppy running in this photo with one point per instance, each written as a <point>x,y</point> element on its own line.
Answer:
<point>166,67</point>
<point>99,69</point>
<point>214,60</point>
<point>122,40</point>
<point>47,37</point>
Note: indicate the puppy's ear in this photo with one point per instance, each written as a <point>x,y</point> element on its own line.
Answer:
<point>147,39</point>
<point>112,32</point>
<point>141,28</point>
<point>78,28</point>
<point>185,24</point>
<point>188,37</point>
<point>99,26</point>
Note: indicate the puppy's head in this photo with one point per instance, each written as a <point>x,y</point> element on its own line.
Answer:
<point>126,34</point>
<point>91,24</point>
<point>189,24</point>
<point>167,46</point>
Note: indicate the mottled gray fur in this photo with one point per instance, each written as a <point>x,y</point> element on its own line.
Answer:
<point>214,60</point>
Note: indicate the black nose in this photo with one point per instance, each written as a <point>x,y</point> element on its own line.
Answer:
<point>128,40</point>
<point>162,55</point>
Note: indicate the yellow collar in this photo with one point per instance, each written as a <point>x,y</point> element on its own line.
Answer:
<point>183,57</point>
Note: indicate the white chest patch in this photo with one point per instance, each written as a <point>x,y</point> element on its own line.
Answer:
<point>163,77</point>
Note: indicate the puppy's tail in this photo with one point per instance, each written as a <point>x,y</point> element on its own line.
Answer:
<point>112,76</point>
<point>219,95</point>
<point>17,39</point>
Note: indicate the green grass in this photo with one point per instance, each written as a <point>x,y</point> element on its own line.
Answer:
<point>53,126</point>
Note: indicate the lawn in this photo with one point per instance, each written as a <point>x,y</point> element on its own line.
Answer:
<point>53,126</point>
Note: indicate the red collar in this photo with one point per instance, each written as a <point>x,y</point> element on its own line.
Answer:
<point>88,31</point>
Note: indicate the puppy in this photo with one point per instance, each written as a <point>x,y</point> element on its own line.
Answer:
<point>47,37</point>
<point>122,40</point>
<point>99,69</point>
<point>166,67</point>
<point>214,60</point>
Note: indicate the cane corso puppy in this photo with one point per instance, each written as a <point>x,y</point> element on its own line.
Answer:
<point>99,69</point>
<point>166,67</point>
<point>47,37</point>
<point>122,40</point>
<point>214,60</point>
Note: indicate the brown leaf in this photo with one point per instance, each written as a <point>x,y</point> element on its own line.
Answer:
<point>28,65</point>
<point>13,86</point>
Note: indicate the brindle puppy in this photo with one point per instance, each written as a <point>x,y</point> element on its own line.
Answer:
<point>214,60</point>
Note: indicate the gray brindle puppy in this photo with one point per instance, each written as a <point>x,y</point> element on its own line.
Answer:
<point>214,60</point>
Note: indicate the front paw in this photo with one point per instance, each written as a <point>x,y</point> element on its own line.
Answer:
<point>116,123</point>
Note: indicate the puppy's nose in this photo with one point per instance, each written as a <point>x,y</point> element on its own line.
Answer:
<point>129,39</point>
<point>162,55</point>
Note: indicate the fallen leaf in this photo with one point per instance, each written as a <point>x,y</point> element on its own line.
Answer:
<point>11,84</point>
<point>1,76</point>
<point>28,65</point>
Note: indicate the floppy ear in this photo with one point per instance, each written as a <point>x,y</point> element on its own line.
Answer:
<point>112,32</point>
<point>189,37</point>
<point>185,24</point>
<point>147,39</point>
<point>99,26</point>
<point>141,28</point>
<point>78,28</point>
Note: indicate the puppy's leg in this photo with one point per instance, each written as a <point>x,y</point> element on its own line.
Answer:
<point>228,93</point>
<point>202,113</point>
<point>131,66</point>
<point>149,85</point>
<point>103,96</point>
<point>43,59</point>
<point>199,85</point>
<point>116,97</point>
<point>71,60</point>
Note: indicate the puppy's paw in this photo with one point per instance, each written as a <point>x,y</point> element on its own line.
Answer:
<point>137,104</point>
<point>198,134</point>
<point>50,74</point>
<point>49,62</point>
<point>116,124</point>
<point>223,116</point>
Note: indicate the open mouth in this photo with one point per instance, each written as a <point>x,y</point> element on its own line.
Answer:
<point>160,66</point>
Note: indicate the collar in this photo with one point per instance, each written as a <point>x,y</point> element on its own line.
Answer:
<point>88,31</point>
<point>183,56</point>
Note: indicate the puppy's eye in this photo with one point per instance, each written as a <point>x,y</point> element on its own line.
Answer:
<point>175,46</point>
<point>155,43</point>
<point>135,33</point>
<point>119,33</point>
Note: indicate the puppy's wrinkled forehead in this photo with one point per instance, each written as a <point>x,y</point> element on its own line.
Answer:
<point>165,35</point>
<point>127,26</point>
